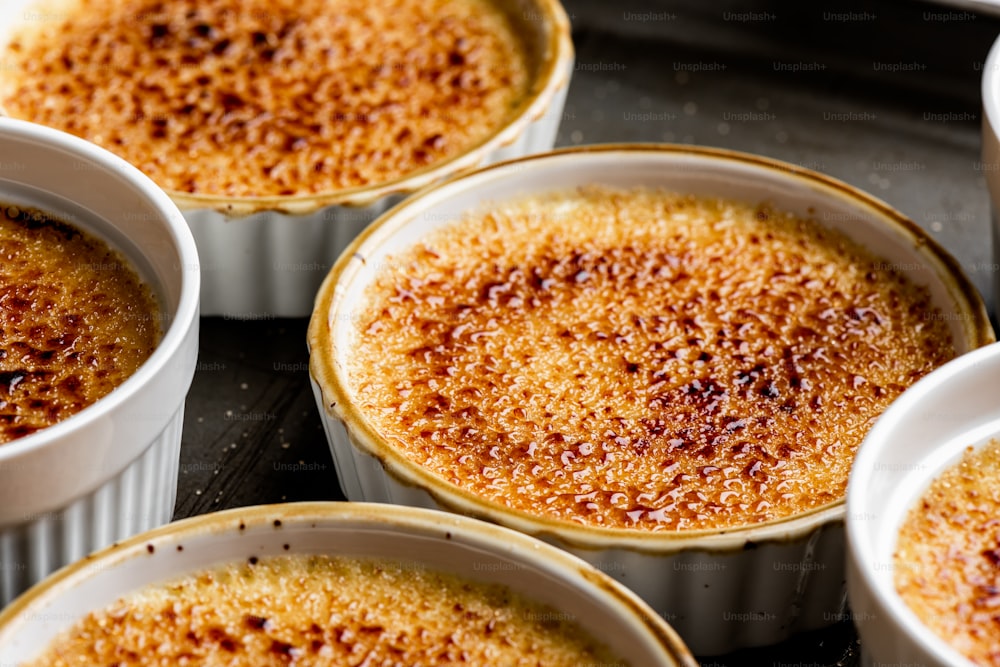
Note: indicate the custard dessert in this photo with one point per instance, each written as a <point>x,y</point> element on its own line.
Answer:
<point>638,359</point>
<point>75,320</point>
<point>264,98</point>
<point>321,610</point>
<point>946,565</point>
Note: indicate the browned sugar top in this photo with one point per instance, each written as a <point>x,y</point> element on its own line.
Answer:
<point>270,97</point>
<point>320,610</point>
<point>639,359</point>
<point>947,560</point>
<point>75,321</point>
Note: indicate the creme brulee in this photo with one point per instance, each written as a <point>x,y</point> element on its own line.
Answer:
<point>320,610</point>
<point>637,358</point>
<point>75,320</point>
<point>258,98</point>
<point>947,559</point>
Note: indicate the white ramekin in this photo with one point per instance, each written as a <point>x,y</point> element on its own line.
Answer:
<point>923,432</point>
<point>990,164</point>
<point>721,590</point>
<point>422,538</point>
<point>265,257</point>
<point>110,470</point>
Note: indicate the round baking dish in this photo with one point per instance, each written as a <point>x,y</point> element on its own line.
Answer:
<point>420,538</point>
<point>924,432</point>
<point>720,589</point>
<point>265,257</point>
<point>110,470</point>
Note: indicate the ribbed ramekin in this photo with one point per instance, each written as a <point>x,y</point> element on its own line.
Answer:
<point>415,537</point>
<point>110,470</point>
<point>265,257</point>
<point>720,590</point>
<point>924,432</point>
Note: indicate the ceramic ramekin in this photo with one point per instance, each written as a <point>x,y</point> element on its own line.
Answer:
<point>721,590</point>
<point>923,432</point>
<point>110,470</point>
<point>416,537</point>
<point>265,257</point>
<point>990,164</point>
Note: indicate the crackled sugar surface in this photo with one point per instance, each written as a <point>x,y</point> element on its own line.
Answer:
<point>639,359</point>
<point>269,97</point>
<point>75,320</point>
<point>947,560</point>
<point>331,611</point>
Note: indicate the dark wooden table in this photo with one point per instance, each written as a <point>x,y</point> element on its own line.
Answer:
<point>884,96</point>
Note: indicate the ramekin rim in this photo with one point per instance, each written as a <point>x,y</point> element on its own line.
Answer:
<point>323,373</point>
<point>415,521</point>
<point>183,318</point>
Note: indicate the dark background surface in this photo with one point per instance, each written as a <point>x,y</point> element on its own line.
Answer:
<point>884,96</point>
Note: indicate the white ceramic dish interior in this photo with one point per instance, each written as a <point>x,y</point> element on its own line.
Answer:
<point>721,590</point>
<point>110,470</point>
<point>923,433</point>
<point>421,538</point>
<point>263,258</point>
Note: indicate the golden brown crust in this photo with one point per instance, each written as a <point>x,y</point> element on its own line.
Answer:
<point>75,321</point>
<point>639,359</point>
<point>255,98</point>
<point>947,560</point>
<point>320,610</point>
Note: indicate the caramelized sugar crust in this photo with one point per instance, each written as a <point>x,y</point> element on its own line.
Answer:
<point>320,610</point>
<point>639,359</point>
<point>270,97</point>
<point>947,560</point>
<point>75,321</point>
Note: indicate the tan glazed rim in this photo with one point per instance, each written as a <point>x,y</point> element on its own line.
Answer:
<point>253,523</point>
<point>336,398</point>
<point>553,74</point>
